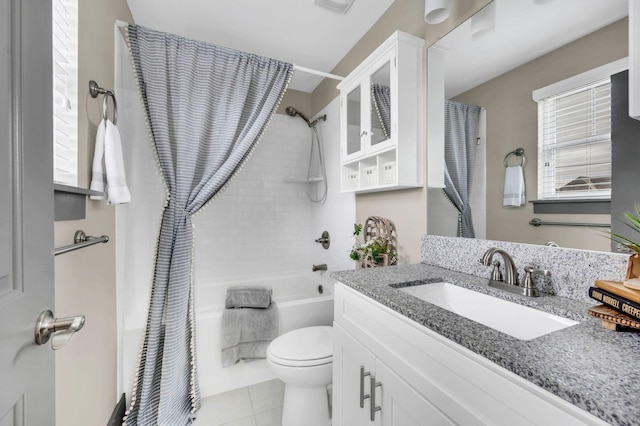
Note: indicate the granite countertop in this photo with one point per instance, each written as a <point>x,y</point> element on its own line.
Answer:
<point>593,368</point>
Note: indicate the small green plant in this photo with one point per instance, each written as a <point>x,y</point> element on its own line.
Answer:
<point>376,247</point>
<point>633,222</point>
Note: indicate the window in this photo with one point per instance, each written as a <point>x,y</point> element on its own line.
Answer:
<point>574,136</point>
<point>65,91</point>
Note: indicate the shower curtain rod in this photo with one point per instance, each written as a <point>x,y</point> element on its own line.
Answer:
<point>122,24</point>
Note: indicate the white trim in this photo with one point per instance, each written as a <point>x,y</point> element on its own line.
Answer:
<point>634,60</point>
<point>583,79</point>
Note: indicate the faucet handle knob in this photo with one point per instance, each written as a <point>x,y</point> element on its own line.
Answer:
<point>530,270</point>
<point>496,274</point>
<point>528,284</point>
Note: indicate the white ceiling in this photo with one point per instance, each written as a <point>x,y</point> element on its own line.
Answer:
<point>524,30</point>
<point>295,31</point>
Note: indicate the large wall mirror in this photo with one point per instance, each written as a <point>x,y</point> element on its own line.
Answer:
<point>530,44</point>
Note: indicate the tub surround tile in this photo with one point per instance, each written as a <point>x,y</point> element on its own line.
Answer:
<point>572,271</point>
<point>586,365</point>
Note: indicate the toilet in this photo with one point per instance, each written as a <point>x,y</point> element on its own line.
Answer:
<point>303,360</point>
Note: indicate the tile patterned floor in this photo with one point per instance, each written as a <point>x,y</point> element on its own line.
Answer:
<point>256,405</point>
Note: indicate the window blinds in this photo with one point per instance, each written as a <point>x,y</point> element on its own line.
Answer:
<point>574,140</point>
<point>65,92</point>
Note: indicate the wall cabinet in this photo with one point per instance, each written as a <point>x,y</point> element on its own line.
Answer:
<point>422,375</point>
<point>381,130</point>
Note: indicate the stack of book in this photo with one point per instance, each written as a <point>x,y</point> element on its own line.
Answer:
<point>621,304</point>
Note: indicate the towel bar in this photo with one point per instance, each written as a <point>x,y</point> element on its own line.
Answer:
<point>81,240</point>
<point>537,222</point>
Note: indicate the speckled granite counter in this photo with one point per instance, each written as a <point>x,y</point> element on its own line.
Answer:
<point>595,369</point>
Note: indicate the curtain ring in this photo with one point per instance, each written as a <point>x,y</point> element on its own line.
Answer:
<point>518,152</point>
<point>105,106</point>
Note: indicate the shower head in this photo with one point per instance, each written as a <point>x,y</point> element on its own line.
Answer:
<point>293,112</point>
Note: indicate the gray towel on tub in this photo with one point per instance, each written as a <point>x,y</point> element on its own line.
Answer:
<point>247,332</point>
<point>245,296</point>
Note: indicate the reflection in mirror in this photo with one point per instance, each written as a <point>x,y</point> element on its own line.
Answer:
<point>381,104</point>
<point>543,43</point>
<point>353,121</point>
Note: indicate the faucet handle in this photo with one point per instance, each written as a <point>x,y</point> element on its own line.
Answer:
<point>528,283</point>
<point>496,274</point>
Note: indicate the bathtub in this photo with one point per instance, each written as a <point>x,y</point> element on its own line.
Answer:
<point>303,301</point>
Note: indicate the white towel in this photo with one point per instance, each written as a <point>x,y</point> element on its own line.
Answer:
<point>513,187</point>
<point>108,175</point>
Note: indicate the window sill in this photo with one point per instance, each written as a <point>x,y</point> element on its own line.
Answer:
<point>70,202</point>
<point>578,206</point>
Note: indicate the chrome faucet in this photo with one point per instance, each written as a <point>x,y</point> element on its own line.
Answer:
<point>511,272</point>
<point>510,283</point>
<point>322,267</point>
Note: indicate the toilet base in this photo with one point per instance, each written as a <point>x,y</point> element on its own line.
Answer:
<point>305,406</point>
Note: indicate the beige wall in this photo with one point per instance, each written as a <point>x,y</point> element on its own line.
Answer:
<point>85,279</point>
<point>512,122</point>
<point>406,208</point>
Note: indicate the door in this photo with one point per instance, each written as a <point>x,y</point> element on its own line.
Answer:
<point>352,369</point>
<point>401,405</point>
<point>26,211</point>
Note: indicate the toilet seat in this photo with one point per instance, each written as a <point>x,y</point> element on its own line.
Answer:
<point>304,347</point>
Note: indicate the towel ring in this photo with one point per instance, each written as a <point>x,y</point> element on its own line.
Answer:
<point>105,106</point>
<point>519,152</point>
<point>95,90</point>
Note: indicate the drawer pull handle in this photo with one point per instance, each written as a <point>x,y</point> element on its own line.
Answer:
<point>362,395</point>
<point>374,408</point>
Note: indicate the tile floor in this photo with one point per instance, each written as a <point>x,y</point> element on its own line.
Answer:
<point>256,405</point>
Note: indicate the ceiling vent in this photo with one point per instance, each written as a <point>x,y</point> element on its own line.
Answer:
<point>336,6</point>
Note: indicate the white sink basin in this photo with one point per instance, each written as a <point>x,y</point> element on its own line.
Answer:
<point>521,322</point>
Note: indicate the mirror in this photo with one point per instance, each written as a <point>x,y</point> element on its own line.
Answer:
<point>381,104</point>
<point>534,44</point>
<point>353,121</point>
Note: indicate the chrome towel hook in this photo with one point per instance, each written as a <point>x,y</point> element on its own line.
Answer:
<point>95,90</point>
<point>518,152</point>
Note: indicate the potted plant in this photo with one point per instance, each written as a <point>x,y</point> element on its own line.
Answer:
<point>633,267</point>
<point>376,251</point>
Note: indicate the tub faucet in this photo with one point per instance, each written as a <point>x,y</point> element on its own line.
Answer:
<point>322,267</point>
<point>511,272</point>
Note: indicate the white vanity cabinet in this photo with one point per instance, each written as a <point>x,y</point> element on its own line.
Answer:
<point>424,378</point>
<point>381,118</point>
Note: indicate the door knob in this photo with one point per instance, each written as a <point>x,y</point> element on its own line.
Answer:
<point>60,328</point>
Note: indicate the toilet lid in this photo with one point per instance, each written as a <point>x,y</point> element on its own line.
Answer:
<point>303,347</point>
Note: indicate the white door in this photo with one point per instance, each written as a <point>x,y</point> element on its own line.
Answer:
<point>401,405</point>
<point>352,369</point>
<point>26,211</point>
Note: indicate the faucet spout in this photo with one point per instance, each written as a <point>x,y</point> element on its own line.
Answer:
<point>511,272</point>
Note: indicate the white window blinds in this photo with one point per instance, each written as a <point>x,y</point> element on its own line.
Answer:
<point>65,92</point>
<point>574,143</point>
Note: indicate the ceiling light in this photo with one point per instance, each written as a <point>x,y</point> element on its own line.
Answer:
<point>435,11</point>
<point>336,6</point>
<point>483,22</point>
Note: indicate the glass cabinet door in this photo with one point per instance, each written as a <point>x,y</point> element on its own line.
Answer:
<point>380,94</point>
<point>354,107</point>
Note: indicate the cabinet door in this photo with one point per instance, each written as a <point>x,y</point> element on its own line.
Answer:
<point>401,405</point>
<point>349,357</point>
<point>351,116</point>
<point>380,111</point>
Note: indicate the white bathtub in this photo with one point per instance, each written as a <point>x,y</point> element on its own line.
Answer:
<point>300,304</point>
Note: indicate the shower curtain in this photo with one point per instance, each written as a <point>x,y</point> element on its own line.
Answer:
<point>206,108</point>
<point>461,143</point>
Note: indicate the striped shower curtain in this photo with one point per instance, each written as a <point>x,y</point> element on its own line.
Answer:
<point>460,145</point>
<point>206,108</point>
